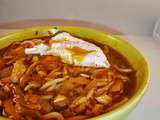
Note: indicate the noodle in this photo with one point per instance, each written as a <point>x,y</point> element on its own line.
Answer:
<point>54,115</point>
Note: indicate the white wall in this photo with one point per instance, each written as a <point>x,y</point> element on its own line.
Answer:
<point>130,16</point>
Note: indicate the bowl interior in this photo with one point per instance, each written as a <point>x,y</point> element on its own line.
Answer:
<point>132,54</point>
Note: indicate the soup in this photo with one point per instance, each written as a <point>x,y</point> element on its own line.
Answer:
<point>44,87</point>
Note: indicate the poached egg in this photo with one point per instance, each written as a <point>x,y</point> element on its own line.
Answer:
<point>72,50</point>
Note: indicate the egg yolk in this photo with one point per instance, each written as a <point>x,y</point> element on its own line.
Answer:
<point>79,53</point>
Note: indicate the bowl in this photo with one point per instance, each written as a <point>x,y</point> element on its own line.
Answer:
<point>135,58</point>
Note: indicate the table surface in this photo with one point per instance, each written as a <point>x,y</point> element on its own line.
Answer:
<point>149,107</point>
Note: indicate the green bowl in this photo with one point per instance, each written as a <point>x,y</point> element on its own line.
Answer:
<point>132,54</point>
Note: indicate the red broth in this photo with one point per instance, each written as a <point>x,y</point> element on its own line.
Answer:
<point>44,88</point>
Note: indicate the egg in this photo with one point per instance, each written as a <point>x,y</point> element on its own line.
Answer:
<point>38,49</point>
<point>72,50</point>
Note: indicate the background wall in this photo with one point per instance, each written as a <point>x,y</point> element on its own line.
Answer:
<point>130,16</point>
